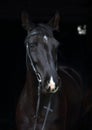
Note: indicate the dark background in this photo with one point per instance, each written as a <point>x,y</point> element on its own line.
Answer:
<point>74,51</point>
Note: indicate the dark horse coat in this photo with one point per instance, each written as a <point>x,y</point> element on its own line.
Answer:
<point>65,106</point>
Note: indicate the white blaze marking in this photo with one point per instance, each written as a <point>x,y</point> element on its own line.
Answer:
<point>45,37</point>
<point>51,84</point>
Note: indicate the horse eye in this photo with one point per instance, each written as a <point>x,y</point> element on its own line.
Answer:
<point>34,44</point>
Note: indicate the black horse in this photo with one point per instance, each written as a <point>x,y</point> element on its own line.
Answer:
<point>51,98</point>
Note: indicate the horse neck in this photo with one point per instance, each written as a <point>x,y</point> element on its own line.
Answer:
<point>31,86</point>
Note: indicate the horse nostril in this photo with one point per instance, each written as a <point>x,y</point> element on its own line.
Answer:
<point>48,89</point>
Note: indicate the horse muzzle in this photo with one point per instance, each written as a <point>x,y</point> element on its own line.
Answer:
<point>51,86</point>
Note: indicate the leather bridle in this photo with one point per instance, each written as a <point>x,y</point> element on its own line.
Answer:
<point>39,79</point>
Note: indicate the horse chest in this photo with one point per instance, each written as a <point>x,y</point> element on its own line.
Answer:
<point>47,121</point>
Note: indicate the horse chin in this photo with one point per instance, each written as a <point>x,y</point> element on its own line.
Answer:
<point>44,91</point>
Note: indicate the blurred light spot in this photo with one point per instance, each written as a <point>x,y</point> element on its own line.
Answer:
<point>82,29</point>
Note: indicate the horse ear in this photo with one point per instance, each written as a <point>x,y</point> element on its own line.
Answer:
<point>55,21</point>
<point>26,24</point>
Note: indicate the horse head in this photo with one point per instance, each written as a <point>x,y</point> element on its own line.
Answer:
<point>41,48</point>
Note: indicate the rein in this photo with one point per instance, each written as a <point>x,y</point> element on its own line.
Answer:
<point>38,76</point>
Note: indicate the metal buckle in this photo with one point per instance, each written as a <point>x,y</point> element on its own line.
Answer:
<point>39,77</point>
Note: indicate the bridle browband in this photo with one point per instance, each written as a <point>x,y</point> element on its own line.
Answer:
<point>39,79</point>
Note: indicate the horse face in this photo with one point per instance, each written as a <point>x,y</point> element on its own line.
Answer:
<point>42,47</point>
